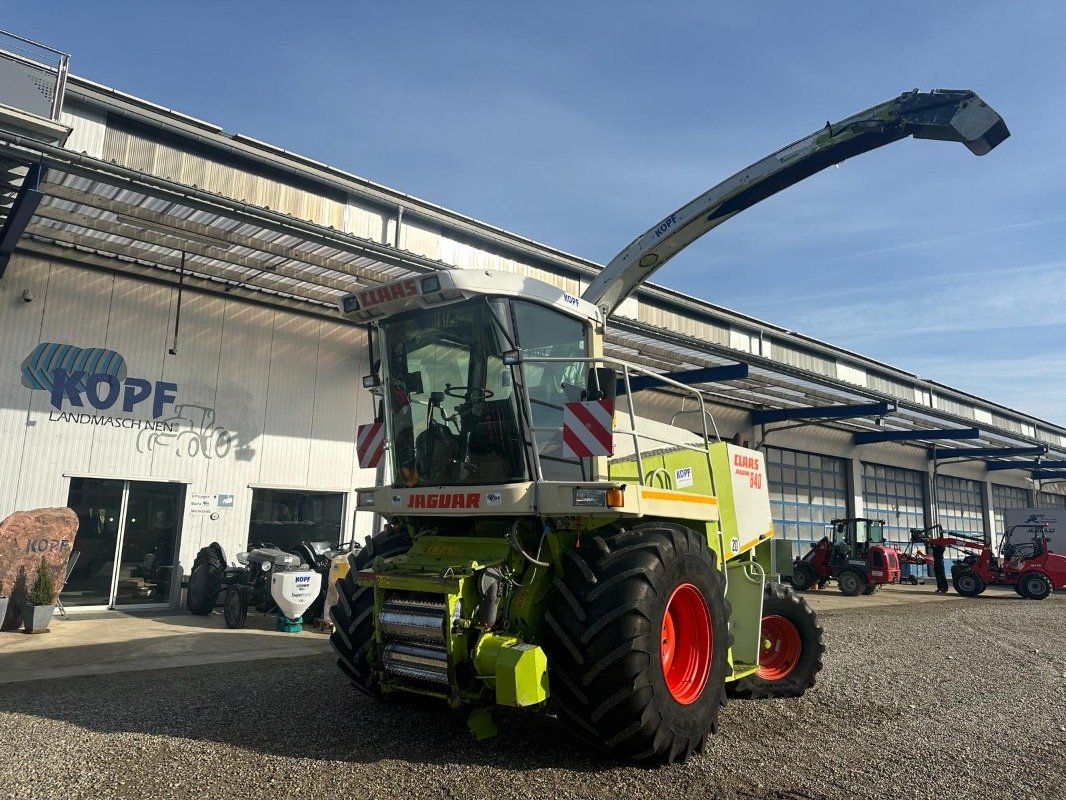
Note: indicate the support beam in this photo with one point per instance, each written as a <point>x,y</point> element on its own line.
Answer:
<point>207,284</point>
<point>762,416</point>
<point>298,255</point>
<point>1049,475</point>
<point>689,377</point>
<point>988,452</point>
<point>22,211</point>
<point>139,252</point>
<point>272,265</point>
<point>873,437</point>
<point>993,466</point>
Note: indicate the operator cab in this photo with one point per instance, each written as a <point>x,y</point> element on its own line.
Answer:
<point>473,375</point>
<point>453,404</point>
<point>1033,547</point>
<point>852,538</point>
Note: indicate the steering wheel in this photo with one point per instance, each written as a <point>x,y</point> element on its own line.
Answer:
<point>467,392</point>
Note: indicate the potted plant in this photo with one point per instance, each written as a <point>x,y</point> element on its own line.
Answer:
<point>40,601</point>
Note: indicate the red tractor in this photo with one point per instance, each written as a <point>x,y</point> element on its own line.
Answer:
<point>857,558</point>
<point>1029,566</point>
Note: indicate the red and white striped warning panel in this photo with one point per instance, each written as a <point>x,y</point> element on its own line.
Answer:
<point>588,428</point>
<point>370,444</point>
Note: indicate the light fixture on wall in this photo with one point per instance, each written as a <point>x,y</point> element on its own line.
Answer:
<point>177,314</point>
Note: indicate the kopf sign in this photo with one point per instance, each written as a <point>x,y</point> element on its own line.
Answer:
<point>102,391</point>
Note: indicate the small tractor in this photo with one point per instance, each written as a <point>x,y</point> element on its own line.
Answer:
<point>1028,566</point>
<point>550,539</point>
<point>262,575</point>
<point>857,558</point>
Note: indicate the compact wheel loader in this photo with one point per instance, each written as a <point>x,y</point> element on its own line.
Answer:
<point>550,539</point>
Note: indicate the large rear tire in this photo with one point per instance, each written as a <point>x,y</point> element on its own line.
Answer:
<point>850,582</point>
<point>637,639</point>
<point>352,615</point>
<point>205,579</point>
<point>1033,585</point>
<point>791,648</point>
<point>803,577</point>
<point>968,583</point>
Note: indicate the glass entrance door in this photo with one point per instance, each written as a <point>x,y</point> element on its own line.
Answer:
<point>126,542</point>
<point>98,504</point>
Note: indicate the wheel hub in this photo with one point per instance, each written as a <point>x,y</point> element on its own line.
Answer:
<point>685,644</point>
<point>781,648</point>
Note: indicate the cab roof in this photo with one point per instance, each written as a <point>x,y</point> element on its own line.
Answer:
<point>428,291</point>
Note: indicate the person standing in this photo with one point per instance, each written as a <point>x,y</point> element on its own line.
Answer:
<point>938,569</point>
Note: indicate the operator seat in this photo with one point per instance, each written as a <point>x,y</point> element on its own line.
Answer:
<point>436,454</point>
<point>495,445</point>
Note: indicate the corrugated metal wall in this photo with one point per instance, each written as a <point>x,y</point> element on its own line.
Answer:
<point>264,397</point>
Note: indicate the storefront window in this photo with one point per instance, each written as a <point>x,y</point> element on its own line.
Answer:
<point>284,517</point>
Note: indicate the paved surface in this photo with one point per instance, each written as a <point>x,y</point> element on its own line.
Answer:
<point>946,698</point>
<point>109,642</point>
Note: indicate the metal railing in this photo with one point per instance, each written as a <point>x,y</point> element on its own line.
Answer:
<point>624,370</point>
<point>33,76</point>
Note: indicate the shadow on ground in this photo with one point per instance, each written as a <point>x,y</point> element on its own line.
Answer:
<point>295,707</point>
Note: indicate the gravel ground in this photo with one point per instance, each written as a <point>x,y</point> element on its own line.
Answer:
<point>959,699</point>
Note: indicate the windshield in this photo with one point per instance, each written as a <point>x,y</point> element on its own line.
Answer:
<point>545,333</point>
<point>453,413</point>
<point>455,416</point>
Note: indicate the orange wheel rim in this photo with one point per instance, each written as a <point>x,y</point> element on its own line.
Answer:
<point>780,648</point>
<point>686,644</point>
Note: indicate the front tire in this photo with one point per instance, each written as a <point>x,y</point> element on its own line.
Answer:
<point>803,577</point>
<point>352,615</point>
<point>850,583</point>
<point>637,639</point>
<point>791,648</point>
<point>968,583</point>
<point>1033,586</point>
<point>235,607</point>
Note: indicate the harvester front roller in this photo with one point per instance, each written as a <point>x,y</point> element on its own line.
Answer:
<point>353,634</point>
<point>791,648</point>
<point>637,640</point>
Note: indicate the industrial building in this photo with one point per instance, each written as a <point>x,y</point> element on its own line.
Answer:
<point>175,368</point>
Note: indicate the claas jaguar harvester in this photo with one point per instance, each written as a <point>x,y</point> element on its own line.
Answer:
<point>550,539</point>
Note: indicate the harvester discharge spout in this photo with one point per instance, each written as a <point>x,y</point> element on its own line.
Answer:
<point>949,115</point>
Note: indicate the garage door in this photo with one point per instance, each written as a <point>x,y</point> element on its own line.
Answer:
<point>807,490</point>
<point>897,496</point>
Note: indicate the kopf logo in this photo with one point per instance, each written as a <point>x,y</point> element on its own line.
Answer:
<point>93,374</point>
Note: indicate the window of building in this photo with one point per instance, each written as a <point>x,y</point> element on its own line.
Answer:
<point>960,508</point>
<point>1004,497</point>
<point>895,495</point>
<point>807,491</point>
<point>285,517</point>
<point>1049,500</point>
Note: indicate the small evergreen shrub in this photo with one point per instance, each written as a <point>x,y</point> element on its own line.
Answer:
<point>43,591</point>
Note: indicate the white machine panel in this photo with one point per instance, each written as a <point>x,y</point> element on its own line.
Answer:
<point>295,591</point>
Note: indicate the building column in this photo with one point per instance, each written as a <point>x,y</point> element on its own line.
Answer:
<point>990,517</point>
<point>858,505</point>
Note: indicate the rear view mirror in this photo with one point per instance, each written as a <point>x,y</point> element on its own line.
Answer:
<point>602,384</point>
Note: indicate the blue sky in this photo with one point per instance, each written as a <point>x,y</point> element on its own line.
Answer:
<point>580,125</point>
